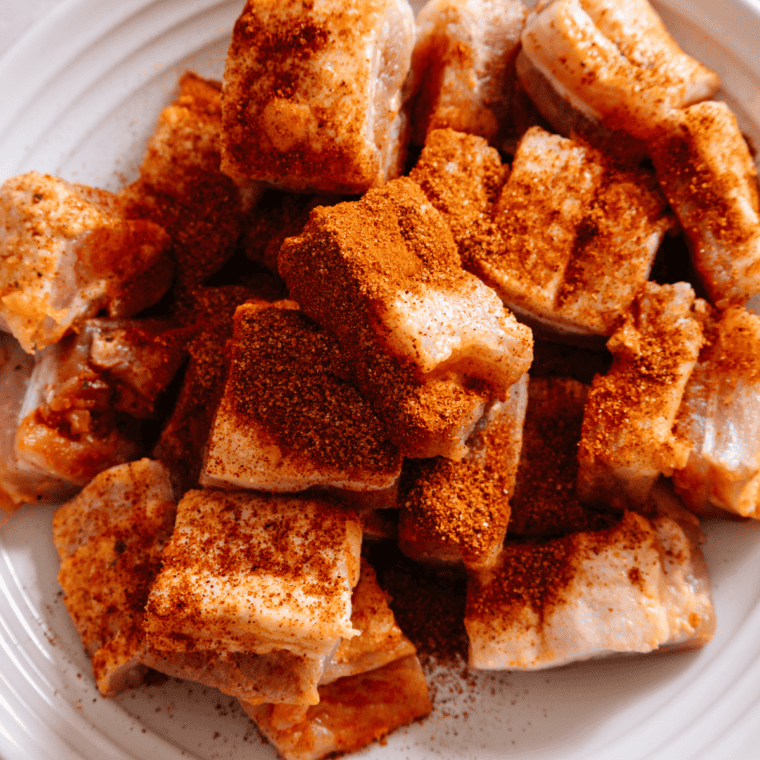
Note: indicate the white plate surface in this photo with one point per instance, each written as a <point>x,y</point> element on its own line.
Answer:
<point>79,94</point>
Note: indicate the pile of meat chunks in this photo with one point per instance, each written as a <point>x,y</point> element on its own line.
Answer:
<point>353,295</point>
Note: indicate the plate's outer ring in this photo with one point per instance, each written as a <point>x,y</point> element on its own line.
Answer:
<point>63,63</point>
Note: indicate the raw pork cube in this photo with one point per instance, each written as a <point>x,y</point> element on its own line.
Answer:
<point>627,439</point>
<point>247,572</point>
<point>314,96</point>
<point>383,275</point>
<point>86,393</point>
<point>544,502</point>
<point>283,677</point>
<point>291,417</point>
<point>720,415</point>
<point>705,168</point>
<point>110,538</point>
<point>457,512</point>
<point>351,712</point>
<point>633,587</point>
<point>461,176</point>
<point>614,62</point>
<point>68,251</point>
<point>575,236</point>
<point>464,57</point>
<point>380,640</point>
<point>181,186</point>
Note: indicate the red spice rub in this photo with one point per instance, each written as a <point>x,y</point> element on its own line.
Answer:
<point>290,385</point>
<point>70,252</point>
<point>209,312</point>
<point>705,168</point>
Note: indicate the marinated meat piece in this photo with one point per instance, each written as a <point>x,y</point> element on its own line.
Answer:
<point>614,62</point>
<point>464,57</point>
<point>351,712</point>
<point>574,236</point>
<point>109,539</point>
<point>383,275</point>
<point>457,512</point>
<point>67,252</point>
<point>380,640</point>
<point>636,586</point>
<point>182,188</point>
<point>283,677</point>
<point>627,438</point>
<point>83,400</point>
<point>544,502</point>
<point>461,176</point>
<point>314,96</point>
<point>707,173</point>
<point>255,573</point>
<point>138,358</point>
<point>291,417</point>
<point>720,416</point>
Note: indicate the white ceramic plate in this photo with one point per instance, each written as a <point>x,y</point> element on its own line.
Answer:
<point>79,94</point>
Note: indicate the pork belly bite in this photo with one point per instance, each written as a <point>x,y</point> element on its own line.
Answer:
<point>464,58</point>
<point>705,168</point>
<point>283,677</point>
<point>720,416</point>
<point>291,417</point>
<point>254,573</point>
<point>351,712</point>
<point>67,252</point>
<point>109,539</point>
<point>88,391</point>
<point>181,186</point>
<point>383,275</point>
<point>457,512</point>
<point>636,586</point>
<point>614,62</point>
<point>628,438</point>
<point>314,96</point>
<point>574,237</point>
<point>462,177</point>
